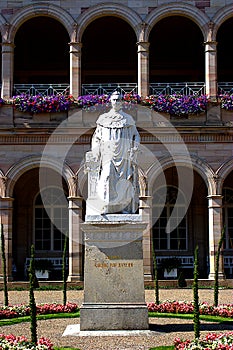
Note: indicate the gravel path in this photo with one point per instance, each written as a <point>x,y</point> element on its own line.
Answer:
<point>164,330</point>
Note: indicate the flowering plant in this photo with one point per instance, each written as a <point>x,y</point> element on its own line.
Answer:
<point>24,310</point>
<point>183,307</point>
<point>40,104</point>
<point>177,105</point>
<point>13,342</point>
<point>102,102</point>
<point>226,101</point>
<point>211,341</point>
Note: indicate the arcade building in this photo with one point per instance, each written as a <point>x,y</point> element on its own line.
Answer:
<point>93,48</point>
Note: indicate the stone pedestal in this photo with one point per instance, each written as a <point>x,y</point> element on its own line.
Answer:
<point>114,296</point>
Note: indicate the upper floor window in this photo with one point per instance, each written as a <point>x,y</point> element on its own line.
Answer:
<point>51,220</point>
<point>170,223</point>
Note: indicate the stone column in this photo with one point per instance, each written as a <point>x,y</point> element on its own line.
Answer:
<point>145,206</point>
<point>211,69</point>
<point>6,211</point>
<point>75,68</point>
<point>7,69</point>
<point>215,229</point>
<point>75,240</point>
<point>213,108</point>
<point>143,68</point>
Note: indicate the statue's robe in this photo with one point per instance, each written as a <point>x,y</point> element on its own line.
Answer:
<point>114,146</point>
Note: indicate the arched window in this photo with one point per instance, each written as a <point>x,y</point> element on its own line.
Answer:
<point>51,220</point>
<point>169,234</point>
<point>228,217</point>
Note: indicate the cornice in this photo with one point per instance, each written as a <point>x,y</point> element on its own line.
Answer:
<point>154,135</point>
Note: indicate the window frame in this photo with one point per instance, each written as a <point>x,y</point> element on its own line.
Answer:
<point>52,208</point>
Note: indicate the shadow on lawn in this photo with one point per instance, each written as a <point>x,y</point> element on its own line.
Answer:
<point>188,327</point>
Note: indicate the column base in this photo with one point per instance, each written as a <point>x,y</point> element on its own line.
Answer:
<point>221,276</point>
<point>75,278</point>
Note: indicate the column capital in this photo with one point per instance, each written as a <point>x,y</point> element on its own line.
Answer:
<point>6,202</point>
<point>143,46</point>
<point>212,196</point>
<point>210,46</point>
<point>7,47</point>
<point>75,46</point>
<point>215,200</point>
<point>145,202</point>
<point>75,202</point>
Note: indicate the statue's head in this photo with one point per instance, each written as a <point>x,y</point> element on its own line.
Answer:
<point>116,100</point>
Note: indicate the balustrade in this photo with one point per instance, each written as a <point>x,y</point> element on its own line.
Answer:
<point>182,88</point>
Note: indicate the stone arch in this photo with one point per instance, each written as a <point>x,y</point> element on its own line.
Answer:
<point>185,10</point>
<point>108,9</point>
<point>199,165</point>
<point>29,163</point>
<point>223,171</point>
<point>41,9</point>
<point>221,16</point>
<point>3,25</point>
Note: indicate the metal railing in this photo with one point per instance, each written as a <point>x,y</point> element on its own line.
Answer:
<point>225,88</point>
<point>187,88</point>
<point>41,89</point>
<point>182,88</point>
<point>108,88</point>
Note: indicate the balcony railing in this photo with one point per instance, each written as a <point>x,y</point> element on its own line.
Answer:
<point>187,88</point>
<point>41,89</point>
<point>106,89</point>
<point>193,88</point>
<point>225,88</point>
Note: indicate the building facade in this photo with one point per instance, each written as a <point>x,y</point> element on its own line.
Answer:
<point>91,47</point>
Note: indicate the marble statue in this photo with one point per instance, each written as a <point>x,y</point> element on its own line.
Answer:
<point>112,163</point>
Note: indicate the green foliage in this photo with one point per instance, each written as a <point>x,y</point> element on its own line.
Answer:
<point>32,302</point>
<point>216,282</point>
<point>64,274</point>
<point>156,281</point>
<point>181,280</point>
<point>4,267</point>
<point>196,312</point>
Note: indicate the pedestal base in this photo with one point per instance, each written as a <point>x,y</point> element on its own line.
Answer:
<point>114,297</point>
<point>113,317</point>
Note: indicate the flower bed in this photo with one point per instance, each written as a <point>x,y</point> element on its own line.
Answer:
<point>175,307</point>
<point>211,341</point>
<point>43,309</point>
<point>183,307</point>
<point>13,342</point>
